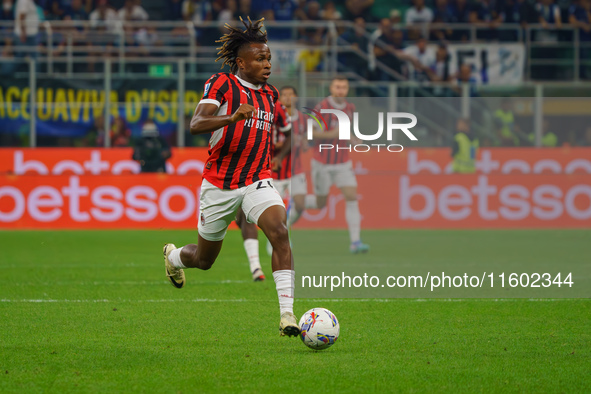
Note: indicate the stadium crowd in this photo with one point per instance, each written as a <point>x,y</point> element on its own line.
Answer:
<point>395,33</point>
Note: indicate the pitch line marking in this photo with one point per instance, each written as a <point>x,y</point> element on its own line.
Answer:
<point>239,300</point>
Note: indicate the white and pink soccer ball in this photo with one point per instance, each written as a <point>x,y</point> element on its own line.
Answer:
<point>319,328</point>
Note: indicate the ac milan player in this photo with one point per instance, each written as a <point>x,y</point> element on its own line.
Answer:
<point>281,147</point>
<point>290,178</point>
<point>292,172</point>
<point>239,108</point>
<point>334,166</point>
<point>295,187</point>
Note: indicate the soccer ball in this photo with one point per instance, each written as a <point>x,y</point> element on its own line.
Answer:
<point>319,328</point>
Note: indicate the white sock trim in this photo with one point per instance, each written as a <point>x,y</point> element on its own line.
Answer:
<point>251,247</point>
<point>175,258</point>
<point>310,202</point>
<point>285,283</point>
<point>353,220</point>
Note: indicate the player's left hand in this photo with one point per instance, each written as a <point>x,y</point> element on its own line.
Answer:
<point>275,164</point>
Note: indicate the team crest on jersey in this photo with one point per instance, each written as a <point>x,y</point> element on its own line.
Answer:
<point>208,165</point>
<point>207,86</point>
<point>202,219</point>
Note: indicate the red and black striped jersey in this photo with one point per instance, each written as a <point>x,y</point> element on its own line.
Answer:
<point>240,153</point>
<point>331,156</point>
<point>292,163</point>
<point>280,126</point>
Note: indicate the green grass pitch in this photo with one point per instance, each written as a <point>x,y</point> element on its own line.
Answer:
<point>91,311</point>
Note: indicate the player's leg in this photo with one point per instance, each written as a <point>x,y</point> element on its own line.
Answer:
<point>218,209</point>
<point>263,204</point>
<point>346,181</point>
<point>283,187</point>
<point>322,182</point>
<point>250,235</point>
<point>297,206</point>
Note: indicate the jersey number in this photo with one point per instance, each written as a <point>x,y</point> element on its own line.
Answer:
<point>261,185</point>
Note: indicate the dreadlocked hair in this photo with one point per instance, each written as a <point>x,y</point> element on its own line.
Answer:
<point>236,38</point>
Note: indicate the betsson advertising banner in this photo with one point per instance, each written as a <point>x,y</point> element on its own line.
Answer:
<point>97,188</point>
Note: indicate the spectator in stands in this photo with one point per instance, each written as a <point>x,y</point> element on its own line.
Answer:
<point>460,13</point>
<point>550,19</point>
<point>311,56</point>
<point>358,8</point>
<point>528,14</point>
<point>132,11</point>
<point>330,12</point>
<point>357,38</point>
<point>26,28</point>
<point>395,18</point>
<point>440,71</point>
<point>175,10</point>
<point>509,13</point>
<point>7,41</point>
<point>280,11</point>
<point>313,35</point>
<point>53,10</point>
<point>419,14</point>
<point>7,68</point>
<point>228,14</point>
<point>442,14</point>
<point>507,131</point>
<point>151,151</point>
<point>147,39</point>
<point>76,11</point>
<point>464,77</point>
<point>388,50</point>
<point>425,59</point>
<point>580,17</point>
<point>245,9</point>
<point>484,15</point>
<point>7,12</point>
<point>104,18</point>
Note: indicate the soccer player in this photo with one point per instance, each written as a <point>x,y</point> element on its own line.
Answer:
<point>281,127</point>
<point>293,188</point>
<point>239,107</point>
<point>334,167</point>
<point>291,172</point>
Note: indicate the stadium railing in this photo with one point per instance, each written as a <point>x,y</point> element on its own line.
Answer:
<point>557,54</point>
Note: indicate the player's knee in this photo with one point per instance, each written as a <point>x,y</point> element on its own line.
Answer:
<point>278,234</point>
<point>300,207</point>
<point>190,254</point>
<point>205,264</point>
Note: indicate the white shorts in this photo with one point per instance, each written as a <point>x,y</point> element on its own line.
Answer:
<point>299,185</point>
<point>325,175</point>
<point>218,206</point>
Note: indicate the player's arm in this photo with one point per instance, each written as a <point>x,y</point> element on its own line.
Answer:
<point>283,152</point>
<point>205,121</point>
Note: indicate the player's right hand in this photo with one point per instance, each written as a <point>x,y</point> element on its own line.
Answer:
<point>246,111</point>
